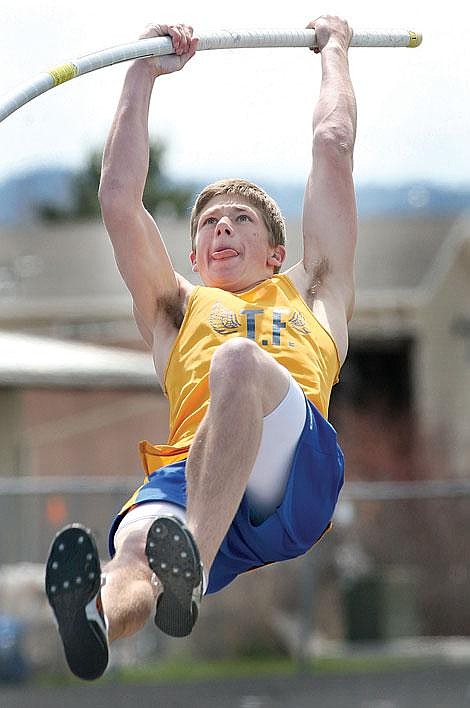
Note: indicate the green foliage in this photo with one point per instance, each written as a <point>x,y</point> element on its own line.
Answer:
<point>189,669</point>
<point>159,193</point>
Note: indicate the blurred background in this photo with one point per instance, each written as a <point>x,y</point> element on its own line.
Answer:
<point>77,390</point>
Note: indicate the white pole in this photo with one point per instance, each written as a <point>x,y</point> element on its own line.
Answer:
<point>158,46</point>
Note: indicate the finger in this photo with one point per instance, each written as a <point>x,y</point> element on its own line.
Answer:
<point>311,25</point>
<point>175,35</point>
<point>186,34</point>
<point>189,37</point>
<point>193,47</point>
<point>160,29</point>
<point>153,31</point>
<point>184,58</point>
<point>182,46</point>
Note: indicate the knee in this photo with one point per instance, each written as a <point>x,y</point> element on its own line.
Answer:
<point>234,362</point>
<point>130,545</point>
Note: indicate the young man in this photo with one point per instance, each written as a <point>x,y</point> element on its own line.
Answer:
<point>252,470</point>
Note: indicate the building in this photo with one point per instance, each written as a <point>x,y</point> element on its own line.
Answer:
<point>77,390</point>
<point>412,312</point>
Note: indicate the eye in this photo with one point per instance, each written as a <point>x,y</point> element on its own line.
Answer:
<point>210,220</point>
<point>244,218</point>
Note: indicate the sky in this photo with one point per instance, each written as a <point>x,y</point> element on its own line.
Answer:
<point>245,112</point>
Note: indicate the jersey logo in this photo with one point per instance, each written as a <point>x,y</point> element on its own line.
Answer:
<point>298,322</point>
<point>223,321</point>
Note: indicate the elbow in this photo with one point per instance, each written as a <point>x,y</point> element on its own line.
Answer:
<point>114,199</point>
<point>110,203</point>
<point>110,192</point>
<point>103,199</point>
<point>334,140</point>
<point>115,210</point>
<point>106,191</point>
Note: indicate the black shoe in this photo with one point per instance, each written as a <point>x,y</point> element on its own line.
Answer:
<point>73,581</point>
<point>174,558</point>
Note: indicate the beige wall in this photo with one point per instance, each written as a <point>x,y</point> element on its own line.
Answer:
<point>78,432</point>
<point>442,366</point>
<point>10,417</point>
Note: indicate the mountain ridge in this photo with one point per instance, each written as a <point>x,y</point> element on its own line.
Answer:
<point>22,195</point>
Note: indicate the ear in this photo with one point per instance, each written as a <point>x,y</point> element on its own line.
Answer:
<point>192,258</point>
<point>276,256</point>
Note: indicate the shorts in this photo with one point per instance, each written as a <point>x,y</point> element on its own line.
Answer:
<point>302,517</point>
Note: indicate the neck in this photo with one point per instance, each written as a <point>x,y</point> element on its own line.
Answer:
<point>253,285</point>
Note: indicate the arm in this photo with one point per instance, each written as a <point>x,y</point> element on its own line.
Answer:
<point>329,213</point>
<point>139,249</point>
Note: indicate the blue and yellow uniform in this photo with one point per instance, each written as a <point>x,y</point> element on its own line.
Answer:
<point>274,315</point>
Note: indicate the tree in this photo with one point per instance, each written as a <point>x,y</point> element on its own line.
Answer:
<point>159,192</point>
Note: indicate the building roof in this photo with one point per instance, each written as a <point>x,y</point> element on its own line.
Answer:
<point>68,272</point>
<point>36,362</point>
<point>398,253</point>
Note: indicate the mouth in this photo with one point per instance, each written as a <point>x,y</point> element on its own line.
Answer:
<point>224,253</point>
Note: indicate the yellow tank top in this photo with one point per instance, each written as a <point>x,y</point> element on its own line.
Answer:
<point>274,315</point>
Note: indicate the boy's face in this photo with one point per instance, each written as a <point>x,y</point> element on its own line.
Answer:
<point>232,248</point>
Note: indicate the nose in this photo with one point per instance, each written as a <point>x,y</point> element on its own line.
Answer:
<point>223,227</point>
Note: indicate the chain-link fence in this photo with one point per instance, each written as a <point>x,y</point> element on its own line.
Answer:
<point>393,567</point>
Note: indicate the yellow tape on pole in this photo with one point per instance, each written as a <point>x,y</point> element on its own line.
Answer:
<point>63,73</point>
<point>158,46</point>
<point>415,39</point>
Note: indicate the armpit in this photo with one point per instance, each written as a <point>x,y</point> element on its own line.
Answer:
<point>171,308</point>
<point>318,271</point>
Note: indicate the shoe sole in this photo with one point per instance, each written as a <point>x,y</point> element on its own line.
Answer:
<point>73,579</point>
<point>174,558</point>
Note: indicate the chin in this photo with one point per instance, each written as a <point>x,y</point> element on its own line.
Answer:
<point>224,281</point>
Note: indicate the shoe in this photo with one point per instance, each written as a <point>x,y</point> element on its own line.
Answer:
<point>173,556</point>
<point>73,582</point>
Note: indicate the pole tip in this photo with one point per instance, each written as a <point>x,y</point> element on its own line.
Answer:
<point>415,39</point>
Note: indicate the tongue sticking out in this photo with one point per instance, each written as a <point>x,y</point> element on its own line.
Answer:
<point>224,253</point>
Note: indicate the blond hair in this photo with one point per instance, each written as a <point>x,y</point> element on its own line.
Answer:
<point>255,195</point>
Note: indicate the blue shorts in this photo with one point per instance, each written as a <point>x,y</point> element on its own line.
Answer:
<point>304,514</point>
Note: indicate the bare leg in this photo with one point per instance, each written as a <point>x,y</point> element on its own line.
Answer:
<point>245,385</point>
<point>129,593</point>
